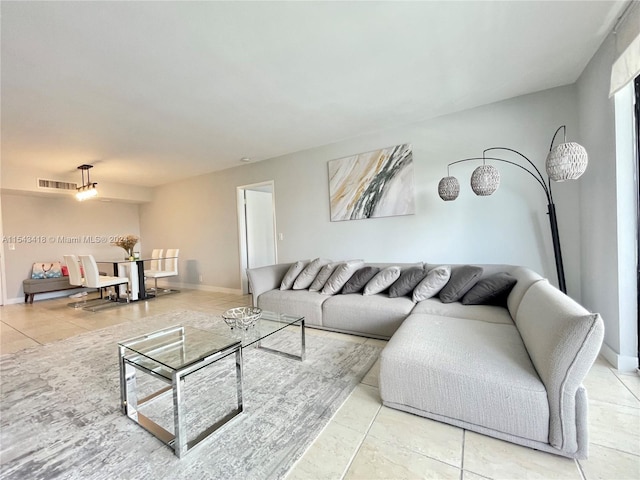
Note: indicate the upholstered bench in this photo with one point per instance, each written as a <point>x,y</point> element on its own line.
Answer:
<point>31,286</point>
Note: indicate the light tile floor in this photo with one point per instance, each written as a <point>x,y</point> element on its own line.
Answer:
<point>365,440</point>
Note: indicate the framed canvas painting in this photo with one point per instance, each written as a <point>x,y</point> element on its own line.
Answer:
<point>372,184</point>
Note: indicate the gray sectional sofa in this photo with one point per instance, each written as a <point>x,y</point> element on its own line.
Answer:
<point>513,372</point>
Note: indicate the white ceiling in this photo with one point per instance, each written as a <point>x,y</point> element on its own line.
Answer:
<point>151,92</point>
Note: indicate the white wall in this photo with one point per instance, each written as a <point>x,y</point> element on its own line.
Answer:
<point>609,280</point>
<point>199,214</point>
<point>56,223</point>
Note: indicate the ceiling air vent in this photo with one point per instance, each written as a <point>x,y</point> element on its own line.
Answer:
<point>56,185</point>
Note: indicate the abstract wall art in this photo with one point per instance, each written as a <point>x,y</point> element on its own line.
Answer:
<point>372,184</point>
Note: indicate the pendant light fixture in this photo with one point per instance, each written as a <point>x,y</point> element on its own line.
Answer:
<point>566,161</point>
<point>87,190</point>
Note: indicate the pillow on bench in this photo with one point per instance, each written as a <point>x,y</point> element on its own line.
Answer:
<point>46,270</point>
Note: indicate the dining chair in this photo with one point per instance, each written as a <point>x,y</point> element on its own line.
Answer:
<point>156,259</point>
<point>170,267</point>
<point>93,279</point>
<point>75,274</point>
<point>76,279</point>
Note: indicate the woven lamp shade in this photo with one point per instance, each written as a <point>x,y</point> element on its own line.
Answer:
<point>485,180</point>
<point>448,188</point>
<point>566,161</point>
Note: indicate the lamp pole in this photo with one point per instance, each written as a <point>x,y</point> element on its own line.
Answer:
<point>555,237</point>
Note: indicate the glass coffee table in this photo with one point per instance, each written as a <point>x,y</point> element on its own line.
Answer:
<point>269,324</point>
<point>172,354</point>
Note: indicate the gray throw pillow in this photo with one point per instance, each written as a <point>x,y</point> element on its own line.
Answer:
<point>322,277</point>
<point>431,285</point>
<point>310,272</point>
<point>492,290</point>
<point>408,280</point>
<point>461,281</point>
<point>382,280</point>
<point>340,275</point>
<point>359,279</point>
<point>292,274</point>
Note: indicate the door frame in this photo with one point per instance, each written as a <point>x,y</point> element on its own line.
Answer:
<point>242,229</point>
<point>636,84</point>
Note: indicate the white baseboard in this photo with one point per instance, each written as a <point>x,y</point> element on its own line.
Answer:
<point>622,363</point>
<point>204,288</point>
<point>46,296</point>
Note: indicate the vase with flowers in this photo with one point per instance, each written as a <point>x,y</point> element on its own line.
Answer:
<point>127,242</point>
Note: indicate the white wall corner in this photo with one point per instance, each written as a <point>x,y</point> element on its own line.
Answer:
<point>621,362</point>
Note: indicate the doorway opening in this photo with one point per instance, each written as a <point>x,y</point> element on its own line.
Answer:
<point>257,228</point>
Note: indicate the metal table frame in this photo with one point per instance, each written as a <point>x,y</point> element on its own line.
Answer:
<point>129,399</point>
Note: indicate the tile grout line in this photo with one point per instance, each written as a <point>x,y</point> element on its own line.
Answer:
<point>357,450</point>
<point>580,471</point>
<point>22,333</point>
<point>613,448</point>
<point>624,385</point>
<point>464,439</point>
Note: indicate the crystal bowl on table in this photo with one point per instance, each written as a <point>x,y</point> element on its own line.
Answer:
<point>244,317</point>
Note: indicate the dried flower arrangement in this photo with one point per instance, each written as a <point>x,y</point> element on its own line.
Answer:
<point>127,242</point>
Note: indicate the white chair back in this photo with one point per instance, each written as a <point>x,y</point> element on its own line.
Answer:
<point>171,261</point>
<point>155,255</point>
<point>75,275</point>
<point>91,273</point>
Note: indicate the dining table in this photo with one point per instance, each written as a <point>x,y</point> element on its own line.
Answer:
<point>134,271</point>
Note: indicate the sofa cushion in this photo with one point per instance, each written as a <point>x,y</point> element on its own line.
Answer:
<point>383,280</point>
<point>476,372</point>
<point>431,285</point>
<point>292,274</point>
<point>462,279</point>
<point>359,279</point>
<point>310,272</point>
<point>322,277</point>
<point>294,302</point>
<point>492,290</point>
<point>546,313</point>
<point>484,313</point>
<point>371,315</point>
<point>340,275</point>
<point>407,281</point>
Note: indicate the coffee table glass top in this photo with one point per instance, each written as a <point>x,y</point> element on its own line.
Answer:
<point>175,348</point>
<point>268,324</point>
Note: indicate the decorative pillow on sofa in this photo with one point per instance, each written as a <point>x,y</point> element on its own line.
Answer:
<point>292,274</point>
<point>461,281</point>
<point>322,277</point>
<point>383,280</point>
<point>431,285</point>
<point>492,290</point>
<point>359,279</point>
<point>340,275</point>
<point>408,280</point>
<point>310,272</point>
<point>46,270</point>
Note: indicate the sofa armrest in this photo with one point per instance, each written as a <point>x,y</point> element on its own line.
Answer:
<point>563,340</point>
<point>263,279</point>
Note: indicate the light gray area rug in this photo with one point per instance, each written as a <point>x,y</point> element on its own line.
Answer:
<point>61,418</point>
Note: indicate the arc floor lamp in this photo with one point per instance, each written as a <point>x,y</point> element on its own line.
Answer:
<point>566,161</point>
